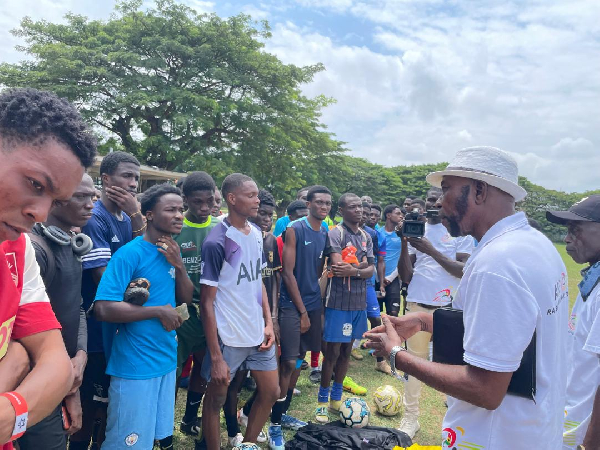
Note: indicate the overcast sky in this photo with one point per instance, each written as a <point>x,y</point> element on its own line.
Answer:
<point>416,80</point>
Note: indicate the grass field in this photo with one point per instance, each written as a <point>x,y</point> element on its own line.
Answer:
<point>432,402</point>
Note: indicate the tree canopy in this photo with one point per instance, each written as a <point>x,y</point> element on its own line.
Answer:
<point>187,91</point>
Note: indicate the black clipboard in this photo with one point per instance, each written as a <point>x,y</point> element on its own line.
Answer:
<point>448,334</point>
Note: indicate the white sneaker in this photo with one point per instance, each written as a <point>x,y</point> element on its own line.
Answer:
<point>242,418</point>
<point>236,440</point>
<point>297,391</point>
<point>409,425</point>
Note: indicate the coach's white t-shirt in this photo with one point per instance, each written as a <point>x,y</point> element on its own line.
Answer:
<point>431,284</point>
<point>584,367</point>
<point>515,282</point>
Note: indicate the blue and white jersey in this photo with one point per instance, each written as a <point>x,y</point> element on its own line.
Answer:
<point>143,349</point>
<point>232,261</point>
<point>108,235</point>
<point>310,250</point>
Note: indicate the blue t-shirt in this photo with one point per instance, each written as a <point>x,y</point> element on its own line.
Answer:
<point>374,237</point>
<point>108,234</point>
<point>310,247</point>
<point>283,222</point>
<point>391,252</point>
<point>143,349</point>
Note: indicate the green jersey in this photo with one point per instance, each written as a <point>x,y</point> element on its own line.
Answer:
<point>190,243</point>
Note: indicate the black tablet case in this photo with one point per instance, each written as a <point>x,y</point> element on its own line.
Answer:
<point>448,334</point>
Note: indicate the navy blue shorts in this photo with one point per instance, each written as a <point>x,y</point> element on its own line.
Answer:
<point>344,326</point>
<point>372,302</point>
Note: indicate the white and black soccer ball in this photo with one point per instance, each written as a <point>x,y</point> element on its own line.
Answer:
<point>355,413</point>
<point>388,400</point>
<point>247,446</point>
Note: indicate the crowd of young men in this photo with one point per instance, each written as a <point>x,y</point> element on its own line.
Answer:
<point>138,288</point>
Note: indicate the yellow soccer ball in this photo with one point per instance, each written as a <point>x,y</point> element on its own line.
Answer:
<point>388,400</point>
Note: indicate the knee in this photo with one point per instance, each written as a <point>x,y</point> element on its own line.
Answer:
<point>271,395</point>
<point>287,367</point>
<point>215,400</point>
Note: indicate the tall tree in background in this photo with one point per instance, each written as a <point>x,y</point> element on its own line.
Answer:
<point>182,90</point>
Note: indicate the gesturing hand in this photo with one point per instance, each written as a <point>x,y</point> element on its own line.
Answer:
<point>383,343</point>
<point>397,329</point>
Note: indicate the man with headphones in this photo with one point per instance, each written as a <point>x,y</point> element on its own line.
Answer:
<point>58,252</point>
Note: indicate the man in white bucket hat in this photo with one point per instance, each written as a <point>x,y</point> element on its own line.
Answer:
<point>513,285</point>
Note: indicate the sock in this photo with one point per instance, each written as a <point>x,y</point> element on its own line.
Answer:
<point>336,391</point>
<point>323,394</point>
<point>248,406</point>
<point>232,425</point>
<point>81,445</point>
<point>314,359</point>
<point>356,344</point>
<point>288,400</point>
<point>166,443</point>
<point>277,411</point>
<point>192,405</point>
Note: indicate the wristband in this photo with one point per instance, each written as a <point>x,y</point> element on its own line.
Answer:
<point>393,354</point>
<point>20,406</point>
<point>135,214</point>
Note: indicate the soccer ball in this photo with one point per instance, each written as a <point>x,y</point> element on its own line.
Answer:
<point>355,413</point>
<point>388,400</point>
<point>247,446</point>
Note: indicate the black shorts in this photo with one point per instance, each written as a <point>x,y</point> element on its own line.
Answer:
<point>293,343</point>
<point>391,299</point>
<point>94,387</point>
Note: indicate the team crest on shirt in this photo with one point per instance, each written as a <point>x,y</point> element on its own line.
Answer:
<point>5,333</point>
<point>271,257</point>
<point>347,329</point>
<point>131,439</point>
<point>11,260</point>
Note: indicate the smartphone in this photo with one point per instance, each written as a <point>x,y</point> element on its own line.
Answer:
<point>66,418</point>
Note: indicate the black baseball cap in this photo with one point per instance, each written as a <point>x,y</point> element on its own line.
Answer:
<point>585,210</point>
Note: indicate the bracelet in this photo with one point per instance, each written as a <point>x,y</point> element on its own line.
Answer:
<point>305,312</point>
<point>135,214</point>
<point>21,414</point>
<point>393,354</point>
<point>141,229</point>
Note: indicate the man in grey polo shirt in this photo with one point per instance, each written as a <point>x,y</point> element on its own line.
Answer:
<point>346,299</point>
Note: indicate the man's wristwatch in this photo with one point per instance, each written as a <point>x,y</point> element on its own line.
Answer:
<point>358,273</point>
<point>393,354</point>
<point>580,447</point>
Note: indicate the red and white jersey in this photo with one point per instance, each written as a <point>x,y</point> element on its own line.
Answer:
<point>24,306</point>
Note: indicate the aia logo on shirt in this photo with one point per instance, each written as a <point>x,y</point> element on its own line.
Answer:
<point>11,260</point>
<point>560,293</point>
<point>250,275</point>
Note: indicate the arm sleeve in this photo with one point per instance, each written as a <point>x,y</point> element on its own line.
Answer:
<point>592,343</point>
<point>280,225</point>
<point>82,335</point>
<point>35,313</point>
<point>497,331</point>
<point>370,257</point>
<point>119,273</point>
<point>100,253</point>
<point>464,245</point>
<point>382,244</point>
<point>334,241</point>
<point>41,257</point>
<point>213,257</point>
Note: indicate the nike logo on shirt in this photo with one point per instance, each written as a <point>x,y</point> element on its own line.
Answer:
<point>307,242</point>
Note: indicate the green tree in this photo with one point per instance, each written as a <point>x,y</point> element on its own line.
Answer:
<point>182,90</point>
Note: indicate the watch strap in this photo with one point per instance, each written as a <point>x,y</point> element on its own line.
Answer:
<point>21,413</point>
<point>393,354</point>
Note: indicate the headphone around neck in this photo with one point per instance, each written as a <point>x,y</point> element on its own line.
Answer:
<point>80,243</point>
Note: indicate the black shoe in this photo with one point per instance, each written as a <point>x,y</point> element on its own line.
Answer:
<point>200,445</point>
<point>304,365</point>
<point>315,376</point>
<point>250,384</point>
<point>191,429</point>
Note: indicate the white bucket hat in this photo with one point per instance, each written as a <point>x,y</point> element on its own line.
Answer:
<point>489,164</point>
